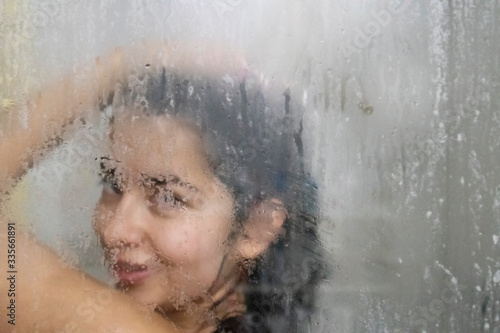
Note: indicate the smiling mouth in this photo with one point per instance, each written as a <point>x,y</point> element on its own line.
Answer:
<point>129,274</point>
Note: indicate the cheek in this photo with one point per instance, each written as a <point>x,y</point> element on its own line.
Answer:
<point>198,240</point>
<point>103,213</point>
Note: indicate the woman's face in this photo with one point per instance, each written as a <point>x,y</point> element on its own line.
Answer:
<point>163,218</point>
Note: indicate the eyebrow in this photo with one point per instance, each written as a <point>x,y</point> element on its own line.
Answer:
<point>104,159</point>
<point>162,180</point>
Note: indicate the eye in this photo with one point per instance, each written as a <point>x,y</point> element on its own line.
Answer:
<point>112,186</point>
<point>169,197</point>
<point>110,182</point>
<point>167,200</point>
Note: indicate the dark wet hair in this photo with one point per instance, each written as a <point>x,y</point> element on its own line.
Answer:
<point>254,137</point>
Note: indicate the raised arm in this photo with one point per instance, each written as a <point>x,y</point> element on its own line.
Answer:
<point>29,128</point>
<point>47,294</point>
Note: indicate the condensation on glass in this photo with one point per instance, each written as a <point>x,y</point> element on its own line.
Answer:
<point>391,108</point>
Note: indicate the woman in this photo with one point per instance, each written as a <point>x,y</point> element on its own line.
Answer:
<point>203,174</point>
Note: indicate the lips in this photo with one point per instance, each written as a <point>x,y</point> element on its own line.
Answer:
<point>129,273</point>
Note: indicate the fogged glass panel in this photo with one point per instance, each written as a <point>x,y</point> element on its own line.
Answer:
<point>255,166</point>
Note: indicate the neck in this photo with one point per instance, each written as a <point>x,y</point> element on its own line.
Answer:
<point>192,321</point>
<point>225,299</point>
<point>202,318</point>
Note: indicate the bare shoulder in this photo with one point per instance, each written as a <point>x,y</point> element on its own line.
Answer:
<point>42,293</point>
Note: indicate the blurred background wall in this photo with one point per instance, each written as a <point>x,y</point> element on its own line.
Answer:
<point>401,116</point>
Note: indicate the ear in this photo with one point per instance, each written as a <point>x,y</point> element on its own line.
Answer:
<point>263,226</point>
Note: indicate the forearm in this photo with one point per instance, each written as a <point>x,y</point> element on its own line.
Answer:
<point>29,128</point>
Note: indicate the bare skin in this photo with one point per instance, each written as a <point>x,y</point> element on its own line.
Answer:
<point>40,269</point>
<point>74,303</point>
<point>51,296</point>
<point>168,219</point>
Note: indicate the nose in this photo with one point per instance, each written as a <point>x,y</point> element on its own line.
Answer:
<point>126,225</point>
